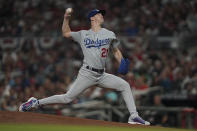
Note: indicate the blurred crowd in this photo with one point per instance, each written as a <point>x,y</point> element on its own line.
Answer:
<point>40,72</point>
<point>131,17</point>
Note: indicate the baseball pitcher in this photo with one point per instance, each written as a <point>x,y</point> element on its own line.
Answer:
<point>95,44</point>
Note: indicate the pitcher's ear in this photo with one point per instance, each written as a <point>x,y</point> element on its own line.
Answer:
<point>92,18</point>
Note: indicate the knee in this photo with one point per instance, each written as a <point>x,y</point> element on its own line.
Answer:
<point>67,98</point>
<point>125,86</point>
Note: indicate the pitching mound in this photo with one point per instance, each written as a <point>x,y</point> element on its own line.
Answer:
<point>37,118</point>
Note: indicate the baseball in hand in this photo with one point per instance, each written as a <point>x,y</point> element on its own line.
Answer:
<point>68,10</point>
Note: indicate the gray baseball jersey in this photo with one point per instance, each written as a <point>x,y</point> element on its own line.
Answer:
<point>95,45</point>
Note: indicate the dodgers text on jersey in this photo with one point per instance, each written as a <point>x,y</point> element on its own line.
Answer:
<point>97,44</point>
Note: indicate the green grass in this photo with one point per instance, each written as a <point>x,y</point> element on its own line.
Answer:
<point>36,127</point>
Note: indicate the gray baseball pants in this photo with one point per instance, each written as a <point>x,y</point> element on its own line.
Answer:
<point>87,78</point>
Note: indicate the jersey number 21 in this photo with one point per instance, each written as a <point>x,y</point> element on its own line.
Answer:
<point>104,52</point>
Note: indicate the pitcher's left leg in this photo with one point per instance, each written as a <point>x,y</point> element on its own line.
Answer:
<point>114,82</point>
<point>117,83</point>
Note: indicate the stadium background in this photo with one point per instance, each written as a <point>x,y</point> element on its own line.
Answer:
<point>159,37</point>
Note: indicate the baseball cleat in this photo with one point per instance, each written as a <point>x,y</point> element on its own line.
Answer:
<point>138,120</point>
<point>31,103</point>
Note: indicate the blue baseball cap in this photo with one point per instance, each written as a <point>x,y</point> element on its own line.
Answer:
<point>94,12</point>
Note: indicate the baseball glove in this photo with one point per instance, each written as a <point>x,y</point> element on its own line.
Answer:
<point>124,66</point>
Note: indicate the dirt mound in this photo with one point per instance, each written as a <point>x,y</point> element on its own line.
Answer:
<point>37,118</point>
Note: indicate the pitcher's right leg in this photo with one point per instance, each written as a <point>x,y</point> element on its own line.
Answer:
<point>80,84</point>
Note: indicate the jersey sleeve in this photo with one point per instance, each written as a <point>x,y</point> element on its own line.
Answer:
<point>76,36</point>
<point>115,42</point>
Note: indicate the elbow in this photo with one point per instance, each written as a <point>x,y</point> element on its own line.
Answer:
<point>115,51</point>
<point>66,34</point>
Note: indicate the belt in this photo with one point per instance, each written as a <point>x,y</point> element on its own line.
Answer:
<point>100,71</point>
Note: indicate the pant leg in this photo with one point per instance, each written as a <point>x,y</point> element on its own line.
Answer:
<point>117,83</point>
<point>80,84</point>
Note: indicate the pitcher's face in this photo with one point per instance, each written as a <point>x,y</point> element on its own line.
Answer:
<point>99,18</point>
